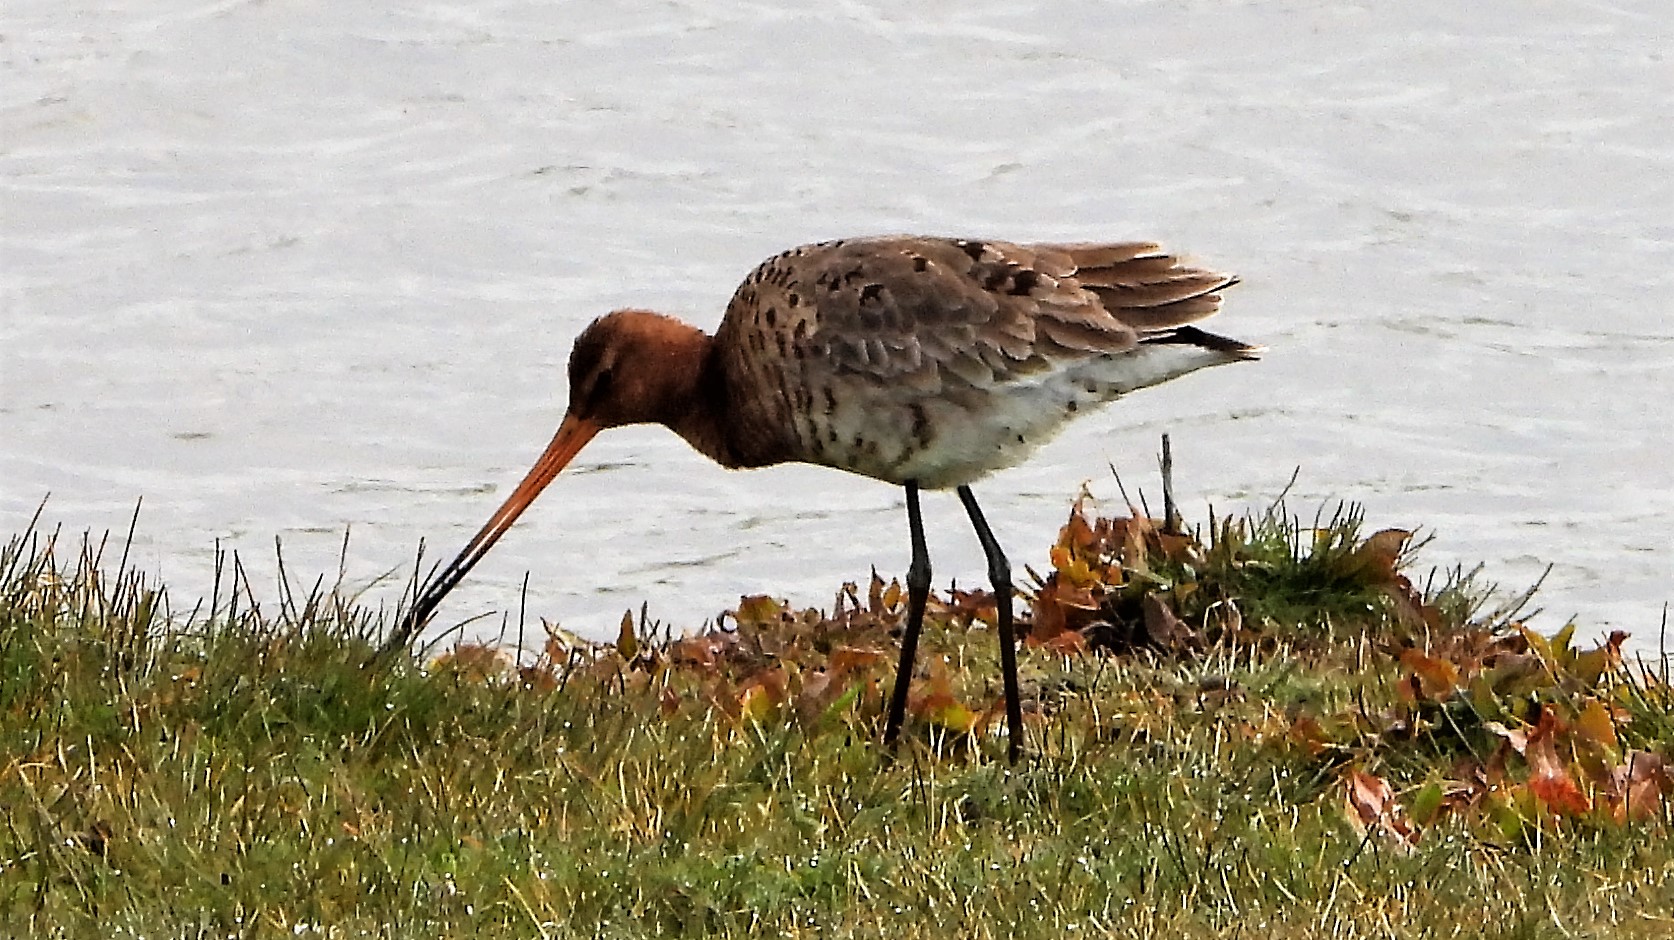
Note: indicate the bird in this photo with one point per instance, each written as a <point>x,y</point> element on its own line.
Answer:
<point>925,362</point>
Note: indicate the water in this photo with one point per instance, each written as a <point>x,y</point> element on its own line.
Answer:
<point>283,269</point>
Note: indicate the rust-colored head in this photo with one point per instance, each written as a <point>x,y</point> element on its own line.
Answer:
<point>628,367</point>
<point>635,367</point>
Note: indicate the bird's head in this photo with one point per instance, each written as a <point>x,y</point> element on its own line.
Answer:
<point>634,367</point>
<point>628,367</point>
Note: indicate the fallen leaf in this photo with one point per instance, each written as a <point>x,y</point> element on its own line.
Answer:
<point>538,678</point>
<point>1374,560</point>
<point>1437,677</point>
<point>937,704</point>
<point>475,662</point>
<point>1519,740</point>
<point>1165,629</point>
<point>1066,643</point>
<point>1549,776</point>
<point>703,651</point>
<point>761,696</point>
<point>1371,802</point>
<point>1590,666</point>
<point>759,610</point>
<point>854,658</point>
<point>1596,725</point>
<point>1638,786</point>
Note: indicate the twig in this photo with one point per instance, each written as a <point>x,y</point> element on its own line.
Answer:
<point>1171,512</point>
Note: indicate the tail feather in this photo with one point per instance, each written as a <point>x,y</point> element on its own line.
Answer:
<point>1146,290</point>
<point>1203,339</point>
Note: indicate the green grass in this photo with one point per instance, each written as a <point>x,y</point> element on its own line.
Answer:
<point>250,773</point>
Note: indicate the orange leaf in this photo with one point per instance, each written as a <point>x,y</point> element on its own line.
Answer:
<point>1557,789</point>
<point>1437,677</point>
<point>1177,548</point>
<point>1066,643</point>
<point>852,658</point>
<point>1549,776</point>
<point>892,595</point>
<point>938,705</point>
<point>475,662</point>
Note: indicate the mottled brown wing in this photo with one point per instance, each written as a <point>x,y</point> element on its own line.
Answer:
<point>923,312</point>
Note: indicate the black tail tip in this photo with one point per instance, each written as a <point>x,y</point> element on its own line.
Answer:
<point>1192,336</point>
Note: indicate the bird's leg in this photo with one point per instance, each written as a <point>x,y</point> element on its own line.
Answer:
<point>918,593</point>
<point>999,572</point>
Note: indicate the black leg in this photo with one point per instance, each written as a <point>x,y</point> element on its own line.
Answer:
<point>999,572</point>
<point>918,592</point>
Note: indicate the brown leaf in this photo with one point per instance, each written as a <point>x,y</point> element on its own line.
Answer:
<point>1307,731</point>
<point>704,652</point>
<point>845,659</point>
<point>1374,560</point>
<point>538,678</point>
<point>1371,802</point>
<point>1592,665</point>
<point>1596,725</point>
<point>1637,788</point>
<point>1519,740</point>
<point>1165,628</point>
<point>875,594</point>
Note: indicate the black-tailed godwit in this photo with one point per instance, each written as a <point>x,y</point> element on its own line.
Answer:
<point>924,362</point>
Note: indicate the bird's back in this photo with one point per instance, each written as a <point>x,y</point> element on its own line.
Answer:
<point>940,360</point>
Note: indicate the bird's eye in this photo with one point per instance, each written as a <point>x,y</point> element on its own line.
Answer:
<point>601,384</point>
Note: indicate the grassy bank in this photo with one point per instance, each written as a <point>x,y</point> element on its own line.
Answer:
<point>1261,729</point>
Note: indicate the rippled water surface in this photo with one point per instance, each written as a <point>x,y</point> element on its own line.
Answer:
<point>282,269</point>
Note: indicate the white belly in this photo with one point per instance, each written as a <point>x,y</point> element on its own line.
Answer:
<point>964,433</point>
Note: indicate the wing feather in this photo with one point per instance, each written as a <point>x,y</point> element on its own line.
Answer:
<point>926,312</point>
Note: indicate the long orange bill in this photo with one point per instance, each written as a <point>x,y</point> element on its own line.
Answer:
<point>573,434</point>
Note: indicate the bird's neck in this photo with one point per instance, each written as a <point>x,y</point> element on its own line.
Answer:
<point>697,397</point>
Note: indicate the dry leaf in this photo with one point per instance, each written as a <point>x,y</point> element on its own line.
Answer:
<point>1437,677</point>
<point>1638,786</point>
<point>758,610</point>
<point>1165,629</point>
<point>936,702</point>
<point>1371,802</point>
<point>627,641</point>
<point>1549,776</point>
<point>854,658</point>
<point>475,662</point>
